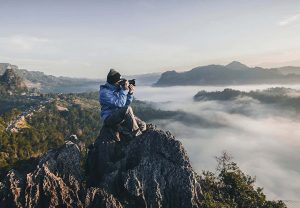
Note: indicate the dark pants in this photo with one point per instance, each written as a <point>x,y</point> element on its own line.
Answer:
<point>125,117</point>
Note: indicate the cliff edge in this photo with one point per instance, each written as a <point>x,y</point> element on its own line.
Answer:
<point>151,170</point>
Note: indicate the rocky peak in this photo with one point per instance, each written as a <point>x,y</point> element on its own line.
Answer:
<point>11,78</point>
<point>151,170</point>
<point>4,66</point>
<point>12,81</point>
<point>235,65</point>
<point>55,181</point>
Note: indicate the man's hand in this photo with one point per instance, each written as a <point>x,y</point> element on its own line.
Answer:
<point>131,88</point>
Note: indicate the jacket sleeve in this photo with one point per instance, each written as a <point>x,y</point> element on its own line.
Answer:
<point>129,99</point>
<point>117,98</point>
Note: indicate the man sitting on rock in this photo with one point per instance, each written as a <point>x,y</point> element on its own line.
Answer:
<point>115,105</point>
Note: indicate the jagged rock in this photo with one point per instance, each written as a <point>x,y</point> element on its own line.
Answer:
<point>158,171</point>
<point>13,190</point>
<point>97,197</point>
<point>102,155</point>
<point>56,182</point>
<point>12,82</point>
<point>151,170</point>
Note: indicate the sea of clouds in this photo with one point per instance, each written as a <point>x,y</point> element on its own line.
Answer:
<point>263,139</point>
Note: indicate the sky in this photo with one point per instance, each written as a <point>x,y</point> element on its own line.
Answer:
<point>87,38</point>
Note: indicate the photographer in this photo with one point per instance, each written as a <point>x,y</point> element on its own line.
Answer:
<point>115,105</point>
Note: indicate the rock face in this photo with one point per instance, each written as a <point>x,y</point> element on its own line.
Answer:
<point>151,170</point>
<point>12,82</point>
<point>56,182</point>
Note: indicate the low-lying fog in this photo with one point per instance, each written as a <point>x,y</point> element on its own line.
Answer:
<point>264,140</point>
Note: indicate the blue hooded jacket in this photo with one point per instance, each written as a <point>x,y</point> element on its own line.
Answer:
<point>112,98</point>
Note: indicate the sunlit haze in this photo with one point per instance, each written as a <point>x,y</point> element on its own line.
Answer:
<point>86,38</point>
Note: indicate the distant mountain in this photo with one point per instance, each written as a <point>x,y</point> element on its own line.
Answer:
<point>144,79</point>
<point>289,70</point>
<point>11,83</point>
<point>52,84</point>
<point>48,83</point>
<point>4,66</point>
<point>234,73</point>
<point>235,65</point>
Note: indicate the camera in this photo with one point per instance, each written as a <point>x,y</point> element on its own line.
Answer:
<point>131,81</point>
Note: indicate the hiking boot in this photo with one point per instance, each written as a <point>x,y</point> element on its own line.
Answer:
<point>142,126</point>
<point>129,134</point>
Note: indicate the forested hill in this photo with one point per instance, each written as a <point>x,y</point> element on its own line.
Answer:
<point>282,98</point>
<point>234,73</point>
<point>30,125</point>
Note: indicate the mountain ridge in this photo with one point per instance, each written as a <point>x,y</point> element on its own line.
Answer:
<point>62,84</point>
<point>234,73</point>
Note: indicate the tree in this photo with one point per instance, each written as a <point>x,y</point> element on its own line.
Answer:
<point>230,187</point>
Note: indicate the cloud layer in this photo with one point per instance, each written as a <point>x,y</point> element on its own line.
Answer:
<point>263,140</point>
